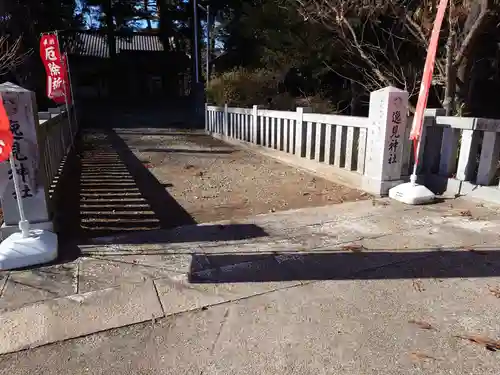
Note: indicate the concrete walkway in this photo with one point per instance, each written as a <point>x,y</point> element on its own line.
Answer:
<point>369,287</point>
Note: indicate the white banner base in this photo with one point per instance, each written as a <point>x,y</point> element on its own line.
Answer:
<point>412,193</point>
<point>18,252</point>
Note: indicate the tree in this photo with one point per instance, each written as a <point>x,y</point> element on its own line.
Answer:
<point>10,58</point>
<point>464,35</point>
<point>387,41</point>
<point>22,22</point>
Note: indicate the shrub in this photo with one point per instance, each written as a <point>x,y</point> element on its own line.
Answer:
<point>244,88</point>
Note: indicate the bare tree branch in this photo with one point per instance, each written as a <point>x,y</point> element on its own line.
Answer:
<point>10,57</point>
<point>473,33</point>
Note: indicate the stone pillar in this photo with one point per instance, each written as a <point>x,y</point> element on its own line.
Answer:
<point>255,127</point>
<point>20,105</point>
<point>207,126</point>
<point>300,132</point>
<point>385,141</point>
<point>226,121</point>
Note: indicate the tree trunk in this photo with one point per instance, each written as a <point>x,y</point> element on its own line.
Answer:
<point>110,31</point>
<point>356,92</point>
<point>450,70</point>
<point>464,78</point>
<point>212,40</point>
<point>476,22</point>
<point>146,11</point>
<point>451,81</point>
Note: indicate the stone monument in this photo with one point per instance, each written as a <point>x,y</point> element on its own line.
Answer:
<point>385,139</point>
<point>20,105</point>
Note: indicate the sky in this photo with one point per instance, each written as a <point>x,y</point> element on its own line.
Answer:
<point>92,19</point>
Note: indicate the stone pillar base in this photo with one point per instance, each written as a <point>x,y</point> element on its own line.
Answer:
<point>7,230</point>
<point>377,187</point>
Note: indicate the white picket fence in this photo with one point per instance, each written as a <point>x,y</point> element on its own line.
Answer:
<point>458,156</point>
<point>335,140</point>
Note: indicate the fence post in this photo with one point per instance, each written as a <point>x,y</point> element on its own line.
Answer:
<point>468,153</point>
<point>449,149</point>
<point>207,127</point>
<point>226,121</point>
<point>300,132</point>
<point>255,122</point>
<point>20,105</point>
<point>385,140</point>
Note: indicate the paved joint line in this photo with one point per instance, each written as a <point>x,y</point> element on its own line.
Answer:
<point>216,340</point>
<point>104,259</point>
<point>76,283</point>
<point>229,301</point>
<point>4,285</point>
<point>336,248</point>
<point>158,298</point>
<point>90,253</point>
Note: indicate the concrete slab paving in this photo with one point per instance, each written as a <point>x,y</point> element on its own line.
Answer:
<point>178,295</point>
<point>106,272</point>
<point>30,286</point>
<point>433,237</point>
<point>133,244</point>
<point>175,345</point>
<point>320,270</point>
<point>382,322</point>
<point>385,326</point>
<point>63,318</point>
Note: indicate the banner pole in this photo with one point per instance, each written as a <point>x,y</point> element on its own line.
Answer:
<point>24,225</point>
<point>66,102</point>
<point>411,192</point>
<point>418,119</point>
<point>71,91</point>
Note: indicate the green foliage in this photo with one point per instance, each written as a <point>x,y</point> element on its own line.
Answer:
<point>244,88</point>
<point>241,87</point>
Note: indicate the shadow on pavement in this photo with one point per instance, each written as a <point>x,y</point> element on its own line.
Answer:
<point>165,207</point>
<point>108,190</point>
<point>186,234</point>
<point>185,151</point>
<point>369,265</point>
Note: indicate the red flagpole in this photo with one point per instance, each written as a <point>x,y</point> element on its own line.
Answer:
<point>416,129</point>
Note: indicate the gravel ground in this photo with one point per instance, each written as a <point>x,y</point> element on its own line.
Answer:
<point>138,179</point>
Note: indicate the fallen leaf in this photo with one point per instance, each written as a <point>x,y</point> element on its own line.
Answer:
<point>495,291</point>
<point>354,248</point>
<point>465,213</point>
<point>417,356</point>
<point>418,285</point>
<point>489,344</point>
<point>422,325</point>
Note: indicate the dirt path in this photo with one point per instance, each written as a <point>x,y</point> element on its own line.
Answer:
<point>139,179</point>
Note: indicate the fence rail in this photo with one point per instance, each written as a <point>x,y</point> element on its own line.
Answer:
<point>465,149</point>
<point>456,151</point>
<point>56,134</point>
<point>338,141</point>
